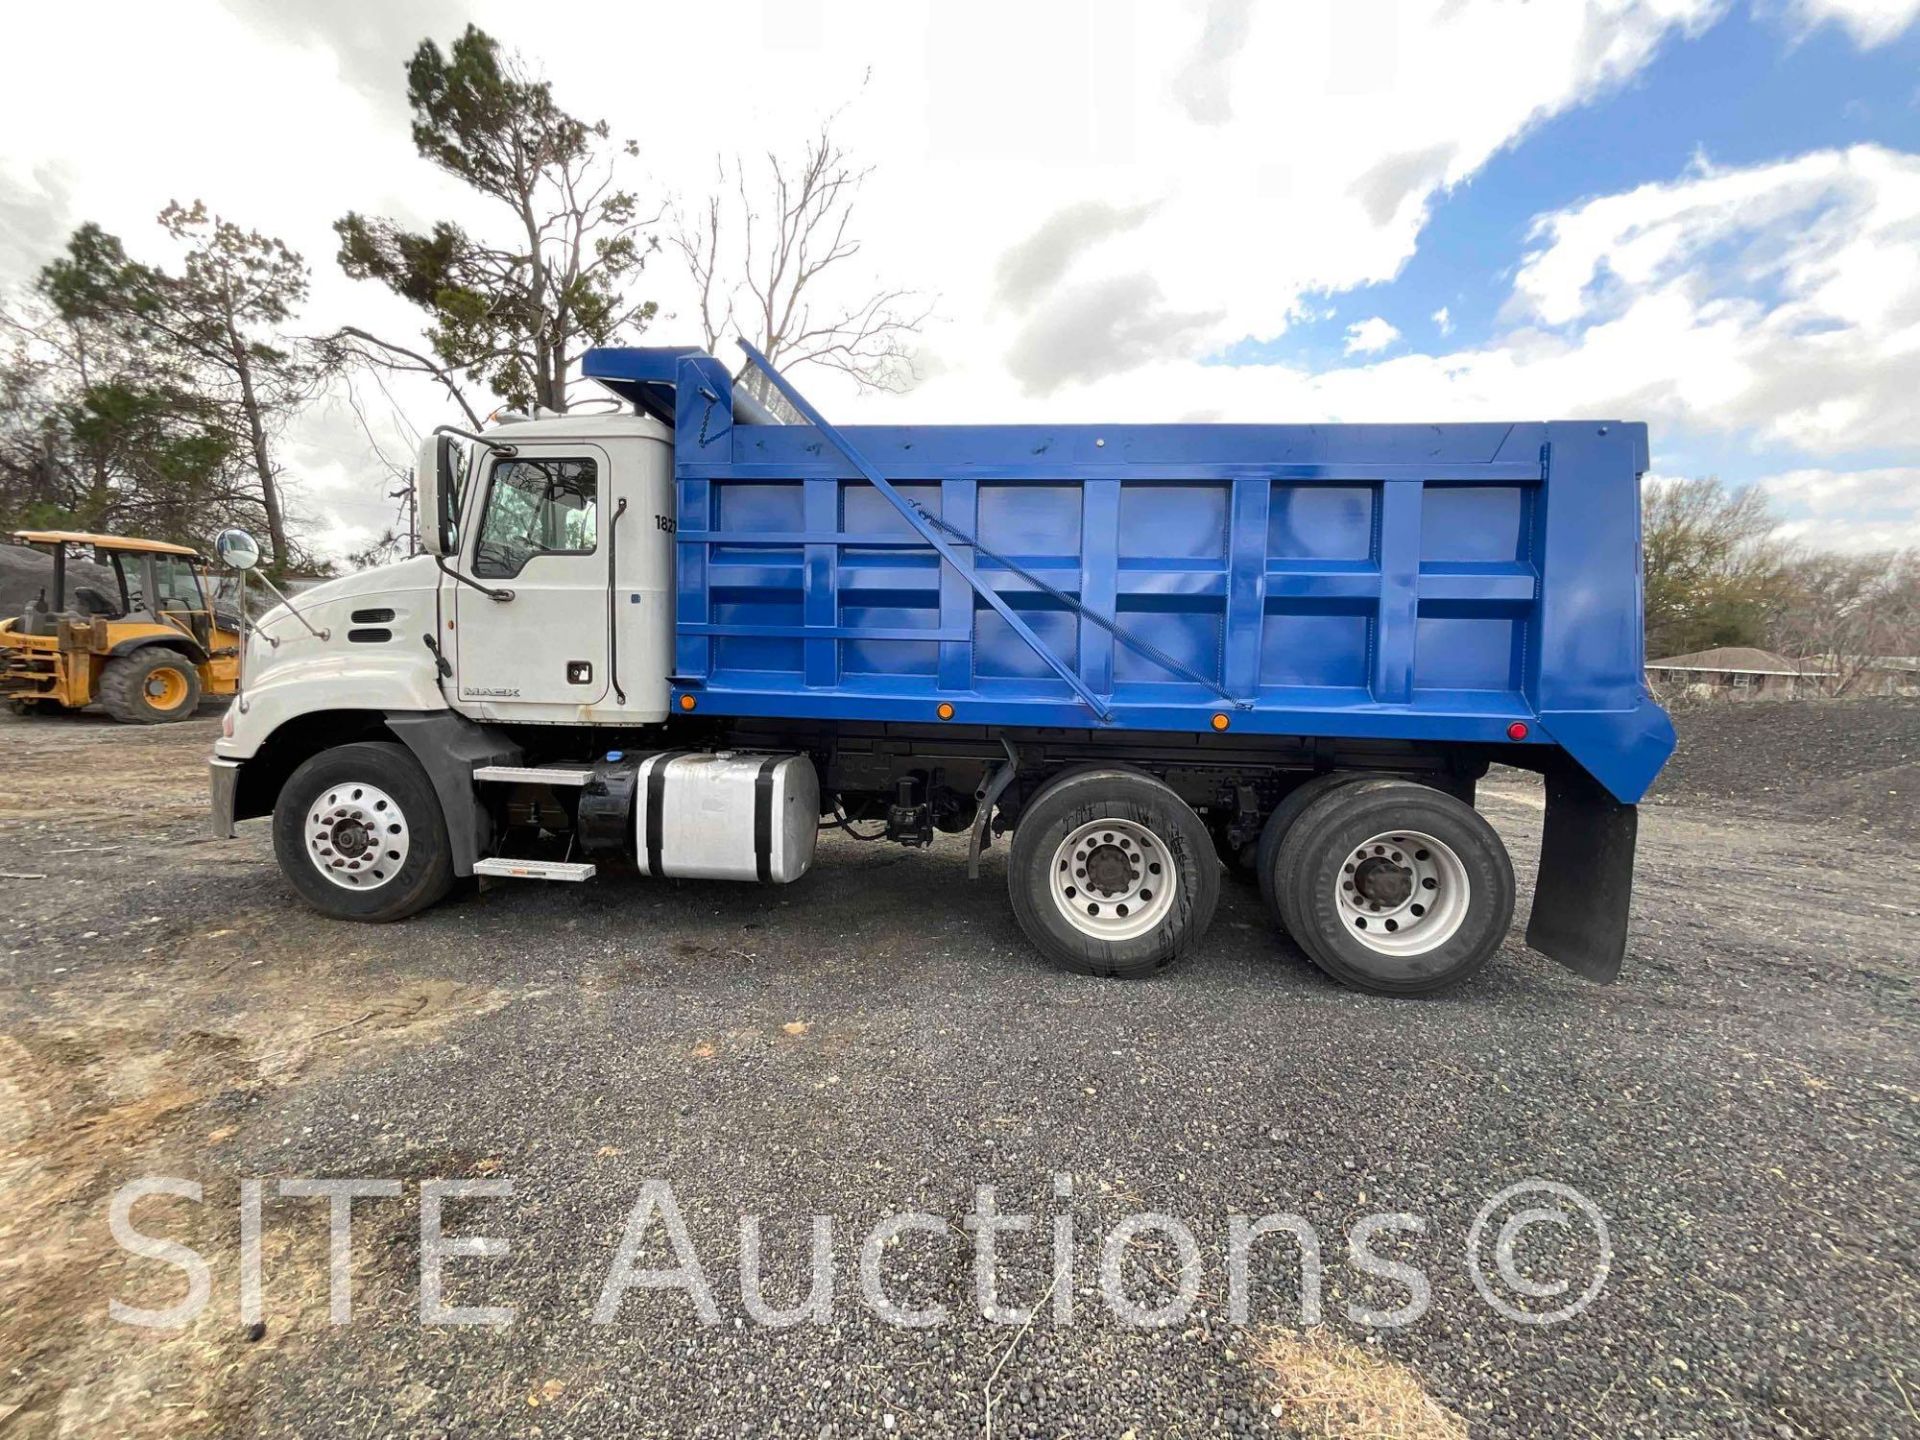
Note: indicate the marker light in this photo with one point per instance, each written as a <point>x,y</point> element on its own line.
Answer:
<point>1517,730</point>
<point>1220,722</point>
<point>687,702</point>
<point>944,710</point>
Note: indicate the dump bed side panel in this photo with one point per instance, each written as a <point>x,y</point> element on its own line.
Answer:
<point>1420,582</point>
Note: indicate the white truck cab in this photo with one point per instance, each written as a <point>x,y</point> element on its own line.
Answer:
<point>569,522</point>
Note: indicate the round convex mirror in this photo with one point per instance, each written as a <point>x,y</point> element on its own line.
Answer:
<point>237,549</point>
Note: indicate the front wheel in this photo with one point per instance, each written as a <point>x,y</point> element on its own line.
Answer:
<point>153,686</point>
<point>1113,874</point>
<point>358,831</point>
<point>1394,887</point>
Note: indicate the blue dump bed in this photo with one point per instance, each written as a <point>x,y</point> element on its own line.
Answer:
<point>1402,582</point>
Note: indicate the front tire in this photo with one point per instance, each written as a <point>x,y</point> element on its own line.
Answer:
<point>1393,887</point>
<point>154,686</point>
<point>359,833</point>
<point>1112,874</point>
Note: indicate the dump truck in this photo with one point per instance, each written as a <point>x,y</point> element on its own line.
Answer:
<point>683,640</point>
<point>147,650</point>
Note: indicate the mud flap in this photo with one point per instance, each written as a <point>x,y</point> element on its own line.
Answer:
<point>448,747</point>
<point>1585,885</point>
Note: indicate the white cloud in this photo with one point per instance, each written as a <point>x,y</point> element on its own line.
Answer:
<point>1852,510</point>
<point>1781,297</point>
<point>1387,104</point>
<point>1869,22</point>
<point>1774,307</point>
<point>1443,320</point>
<point>1253,197</point>
<point>1369,336</point>
<point>1779,302</point>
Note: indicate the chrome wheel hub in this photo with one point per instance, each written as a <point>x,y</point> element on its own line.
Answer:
<point>357,835</point>
<point>1402,893</point>
<point>1113,879</point>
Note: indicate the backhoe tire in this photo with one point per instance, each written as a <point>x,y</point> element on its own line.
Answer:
<point>359,833</point>
<point>154,686</point>
<point>1112,873</point>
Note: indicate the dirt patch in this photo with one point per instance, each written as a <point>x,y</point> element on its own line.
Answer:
<point>94,1096</point>
<point>80,768</point>
<point>1328,1388</point>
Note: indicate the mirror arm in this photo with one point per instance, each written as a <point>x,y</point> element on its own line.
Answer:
<point>506,451</point>
<point>486,590</point>
<point>272,640</point>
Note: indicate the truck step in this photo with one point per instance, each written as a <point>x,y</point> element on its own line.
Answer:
<point>534,869</point>
<point>534,774</point>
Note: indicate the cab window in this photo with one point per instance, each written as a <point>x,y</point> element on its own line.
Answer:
<point>537,507</point>
<point>179,590</point>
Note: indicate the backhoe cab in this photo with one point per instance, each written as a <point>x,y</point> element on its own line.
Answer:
<point>147,648</point>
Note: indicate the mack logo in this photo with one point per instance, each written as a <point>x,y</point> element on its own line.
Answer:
<point>467,694</point>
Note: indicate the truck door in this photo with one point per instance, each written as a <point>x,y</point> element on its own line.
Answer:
<point>538,532</point>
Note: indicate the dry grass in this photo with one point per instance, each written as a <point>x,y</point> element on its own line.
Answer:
<point>1328,1388</point>
<point>95,1093</point>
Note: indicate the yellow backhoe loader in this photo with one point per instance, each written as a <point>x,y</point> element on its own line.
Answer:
<point>147,654</point>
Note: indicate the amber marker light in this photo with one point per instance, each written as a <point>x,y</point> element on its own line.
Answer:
<point>1220,722</point>
<point>687,702</point>
<point>944,710</point>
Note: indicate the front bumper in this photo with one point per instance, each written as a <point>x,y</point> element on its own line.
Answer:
<point>223,784</point>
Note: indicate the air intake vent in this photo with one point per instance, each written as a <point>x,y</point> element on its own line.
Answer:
<point>372,617</point>
<point>369,637</point>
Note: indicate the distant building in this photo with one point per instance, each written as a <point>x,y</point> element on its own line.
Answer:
<point>1868,674</point>
<point>1739,672</point>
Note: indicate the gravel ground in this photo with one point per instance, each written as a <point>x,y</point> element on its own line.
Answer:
<point>1853,759</point>
<point>879,1038</point>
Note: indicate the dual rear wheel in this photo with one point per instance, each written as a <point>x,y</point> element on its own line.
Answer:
<point>1112,874</point>
<point>1387,885</point>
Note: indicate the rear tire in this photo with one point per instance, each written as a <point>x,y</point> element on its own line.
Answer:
<point>1393,887</point>
<point>1112,874</point>
<point>154,686</point>
<point>1290,809</point>
<point>359,833</point>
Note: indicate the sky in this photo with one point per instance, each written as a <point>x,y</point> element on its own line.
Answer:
<point>1704,214</point>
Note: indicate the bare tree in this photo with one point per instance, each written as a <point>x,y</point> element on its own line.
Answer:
<point>769,256</point>
<point>350,348</point>
<point>1846,612</point>
<point>224,310</point>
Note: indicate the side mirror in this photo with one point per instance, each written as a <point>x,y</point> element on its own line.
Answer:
<point>237,549</point>
<point>436,480</point>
